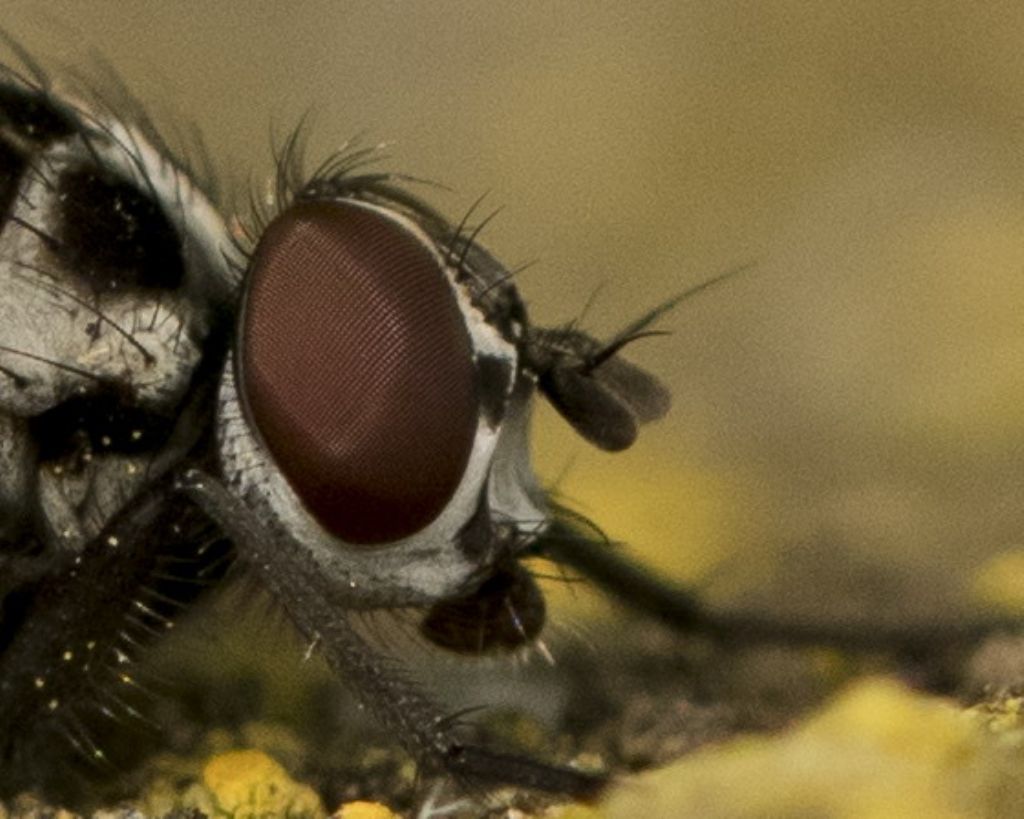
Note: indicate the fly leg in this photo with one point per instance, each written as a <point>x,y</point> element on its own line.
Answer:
<point>378,681</point>
<point>67,649</point>
<point>680,608</point>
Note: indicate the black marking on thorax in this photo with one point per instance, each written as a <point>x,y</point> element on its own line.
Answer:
<point>29,122</point>
<point>12,167</point>
<point>116,236</point>
<point>33,116</point>
<point>105,422</point>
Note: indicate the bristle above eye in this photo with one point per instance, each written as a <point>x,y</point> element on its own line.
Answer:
<point>357,368</point>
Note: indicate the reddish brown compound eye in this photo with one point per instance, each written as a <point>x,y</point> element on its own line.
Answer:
<point>356,368</point>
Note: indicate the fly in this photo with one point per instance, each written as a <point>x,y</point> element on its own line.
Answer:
<point>338,399</point>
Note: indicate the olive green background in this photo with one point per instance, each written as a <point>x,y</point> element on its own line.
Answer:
<point>850,412</point>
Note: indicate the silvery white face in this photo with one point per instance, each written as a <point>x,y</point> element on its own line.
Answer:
<point>376,408</point>
<point>381,420</point>
<point>376,405</point>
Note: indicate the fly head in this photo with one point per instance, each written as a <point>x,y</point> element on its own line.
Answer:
<point>376,408</point>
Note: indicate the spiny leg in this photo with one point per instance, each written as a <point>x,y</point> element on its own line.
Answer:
<point>376,680</point>
<point>681,608</point>
<point>66,654</point>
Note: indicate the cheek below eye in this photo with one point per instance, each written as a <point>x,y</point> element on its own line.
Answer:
<point>356,367</point>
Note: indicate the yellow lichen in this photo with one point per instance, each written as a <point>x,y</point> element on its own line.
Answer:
<point>249,784</point>
<point>364,810</point>
<point>572,812</point>
<point>879,750</point>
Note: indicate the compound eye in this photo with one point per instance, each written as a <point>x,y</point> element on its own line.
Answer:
<point>356,368</point>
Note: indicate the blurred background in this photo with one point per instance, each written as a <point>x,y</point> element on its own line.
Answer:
<point>849,417</point>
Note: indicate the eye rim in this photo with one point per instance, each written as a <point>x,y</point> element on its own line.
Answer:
<point>407,229</point>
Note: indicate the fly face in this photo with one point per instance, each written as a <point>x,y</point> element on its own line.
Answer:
<point>377,404</point>
<point>376,409</point>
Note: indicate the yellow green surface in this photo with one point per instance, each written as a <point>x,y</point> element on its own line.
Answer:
<point>878,751</point>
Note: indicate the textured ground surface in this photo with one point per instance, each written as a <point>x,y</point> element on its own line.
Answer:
<point>714,732</point>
